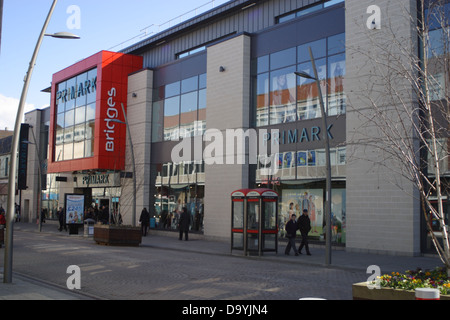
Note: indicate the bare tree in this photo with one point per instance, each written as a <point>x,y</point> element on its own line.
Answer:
<point>406,116</point>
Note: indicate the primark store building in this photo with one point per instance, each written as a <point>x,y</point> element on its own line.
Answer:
<point>189,91</point>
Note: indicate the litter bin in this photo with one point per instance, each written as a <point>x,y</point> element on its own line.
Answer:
<point>89,227</point>
<point>152,223</point>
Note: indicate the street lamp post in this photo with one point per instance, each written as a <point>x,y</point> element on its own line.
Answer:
<point>133,217</point>
<point>327,158</point>
<point>7,274</point>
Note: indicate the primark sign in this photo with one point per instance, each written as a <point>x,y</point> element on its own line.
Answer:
<point>78,87</point>
<point>98,180</point>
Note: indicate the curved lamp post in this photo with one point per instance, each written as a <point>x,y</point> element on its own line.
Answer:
<point>7,275</point>
<point>327,158</point>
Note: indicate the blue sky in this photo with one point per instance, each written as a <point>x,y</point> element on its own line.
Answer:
<point>103,25</point>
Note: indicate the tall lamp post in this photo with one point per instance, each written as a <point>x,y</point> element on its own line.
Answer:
<point>327,157</point>
<point>133,217</point>
<point>7,274</point>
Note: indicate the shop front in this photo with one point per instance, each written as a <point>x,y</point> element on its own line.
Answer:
<point>88,134</point>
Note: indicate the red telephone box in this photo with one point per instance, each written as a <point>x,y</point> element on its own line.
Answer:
<point>254,219</point>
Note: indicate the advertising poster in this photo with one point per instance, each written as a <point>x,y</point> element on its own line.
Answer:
<point>74,209</point>
<point>295,200</point>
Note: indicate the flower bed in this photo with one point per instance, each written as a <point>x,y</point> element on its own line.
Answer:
<point>411,280</point>
<point>401,286</point>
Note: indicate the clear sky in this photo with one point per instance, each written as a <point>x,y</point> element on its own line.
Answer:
<point>101,24</point>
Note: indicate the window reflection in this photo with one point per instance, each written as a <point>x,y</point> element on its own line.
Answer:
<point>182,105</point>
<point>282,97</point>
<point>307,91</point>
<point>75,119</point>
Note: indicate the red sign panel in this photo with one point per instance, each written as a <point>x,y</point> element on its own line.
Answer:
<point>85,107</point>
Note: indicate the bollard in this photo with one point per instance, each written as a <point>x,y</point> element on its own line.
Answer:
<point>427,294</point>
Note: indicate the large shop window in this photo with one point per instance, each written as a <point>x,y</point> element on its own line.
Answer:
<point>300,165</point>
<point>75,119</point>
<point>294,200</point>
<point>180,185</point>
<point>179,109</point>
<point>283,97</point>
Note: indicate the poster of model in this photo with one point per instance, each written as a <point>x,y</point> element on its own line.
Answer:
<point>295,200</point>
<point>74,209</point>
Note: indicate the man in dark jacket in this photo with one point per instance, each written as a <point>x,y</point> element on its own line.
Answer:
<point>185,221</point>
<point>144,219</point>
<point>291,229</point>
<point>304,225</point>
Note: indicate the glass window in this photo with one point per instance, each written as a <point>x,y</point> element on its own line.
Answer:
<point>77,118</point>
<point>70,118</point>
<point>311,158</point>
<point>78,150</point>
<point>71,93</point>
<point>59,136</point>
<point>68,135</point>
<point>172,89</point>
<point>90,130</point>
<point>188,115</point>
<point>60,121</point>
<point>171,118</point>
<point>262,99</point>
<point>80,115</point>
<point>189,85</point>
<point>309,10</point>
<point>79,132</point>
<point>68,151</point>
<point>336,95</point>
<point>307,93</point>
<point>81,91</point>
<point>202,81</point>
<point>283,58</point>
<point>263,64</point>
<point>91,86</point>
<point>287,17</point>
<point>336,44</point>
<point>59,149</point>
<point>319,49</point>
<point>90,112</point>
<point>89,142</point>
<point>332,3</point>
<point>282,96</point>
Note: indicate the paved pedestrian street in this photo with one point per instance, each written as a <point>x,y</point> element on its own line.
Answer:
<point>151,273</point>
<point>164,268</point>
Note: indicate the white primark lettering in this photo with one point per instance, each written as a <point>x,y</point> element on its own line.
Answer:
<point>111,114</point>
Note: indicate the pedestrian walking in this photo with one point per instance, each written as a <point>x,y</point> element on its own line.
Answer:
<point>291,230</point>
<point>304,225</point>
<point>2,218</point>
<point>61,218</point>
<point>144,219</point>
<point>184,223</point>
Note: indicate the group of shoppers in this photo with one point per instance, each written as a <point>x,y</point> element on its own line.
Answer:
<point>183,223</point>
<point>303,224</point>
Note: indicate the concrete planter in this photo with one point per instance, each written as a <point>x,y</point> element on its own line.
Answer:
<point>117,235</point>
<point>362,292</point>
